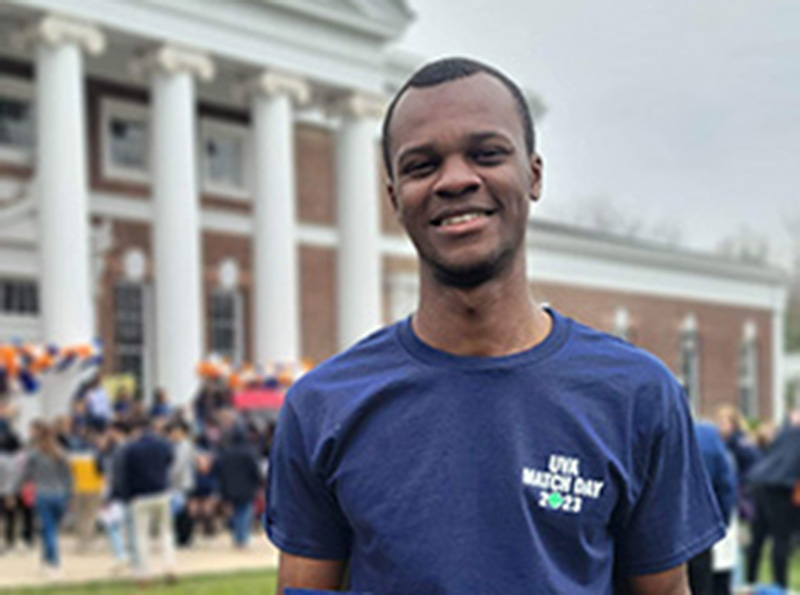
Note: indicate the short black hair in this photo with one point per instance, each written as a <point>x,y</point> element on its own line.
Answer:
<point>123,427</point>
<point>451,69</point>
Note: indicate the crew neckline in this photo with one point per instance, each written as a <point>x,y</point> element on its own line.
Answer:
<point>427,354</point>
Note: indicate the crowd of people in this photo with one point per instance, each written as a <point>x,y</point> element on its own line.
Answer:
<point>757,485</point>
<point>116,468</point>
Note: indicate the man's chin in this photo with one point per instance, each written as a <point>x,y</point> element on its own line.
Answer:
<point>467,276</point>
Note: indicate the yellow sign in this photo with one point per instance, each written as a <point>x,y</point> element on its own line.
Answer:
<point>84,474</point>
<point>119,382</point>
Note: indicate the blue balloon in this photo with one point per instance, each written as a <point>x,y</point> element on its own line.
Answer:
<point>28,381</point>
<point>65,363</point>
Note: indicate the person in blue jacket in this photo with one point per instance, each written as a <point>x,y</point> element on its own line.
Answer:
<point>774,479</point>
<point>239,476</point>
<point>722,474</point>
<point>486,444</point>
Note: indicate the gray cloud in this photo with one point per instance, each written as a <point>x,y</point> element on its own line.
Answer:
<point>686,109</point>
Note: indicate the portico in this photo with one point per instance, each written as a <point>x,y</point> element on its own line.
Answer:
<point>146,166</point>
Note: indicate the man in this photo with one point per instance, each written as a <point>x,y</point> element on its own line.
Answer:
<point>146,463</point>
<point>484,445</point>
<point>239,480</point>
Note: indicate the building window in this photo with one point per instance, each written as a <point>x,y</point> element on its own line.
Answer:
<point>226,325</point>
<point>223,160</point>
<point>129,333</point>
<point>19,297</point>
<point>17,132</point>
<point>622,323</point>
<point>748,371</point>
<point>689,359</point>
<point>403,295</point>
<point>125,141</point>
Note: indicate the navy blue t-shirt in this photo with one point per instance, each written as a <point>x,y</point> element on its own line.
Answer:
<point>550,471</point>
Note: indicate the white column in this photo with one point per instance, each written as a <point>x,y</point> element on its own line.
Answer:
<point>778,357</point>
<point>180,336</point>
<point>275,261</point>
<point>62,189</point>
<point>359,259</point>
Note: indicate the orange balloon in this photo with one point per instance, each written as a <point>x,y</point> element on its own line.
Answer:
<point>83,350</point>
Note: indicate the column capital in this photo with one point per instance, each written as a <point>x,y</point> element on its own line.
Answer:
<point>359,104</point>
<point>172,59</point>
<point>54,30</point>
<point>271,82</point>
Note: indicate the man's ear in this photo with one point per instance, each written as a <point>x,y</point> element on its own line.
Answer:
<point>392,194</point>
<point>537,173</point>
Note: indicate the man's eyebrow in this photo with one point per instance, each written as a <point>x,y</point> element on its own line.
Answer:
<point>489,135</point>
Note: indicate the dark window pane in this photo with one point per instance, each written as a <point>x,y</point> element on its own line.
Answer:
<point>19,296</point>
<point>128,140</point>
<point>16,122</point>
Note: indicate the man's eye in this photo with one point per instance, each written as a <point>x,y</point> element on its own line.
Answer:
<point>418,168</point>
<point>489,155</point>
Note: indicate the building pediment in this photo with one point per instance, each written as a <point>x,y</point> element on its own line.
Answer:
<point>386,19</point>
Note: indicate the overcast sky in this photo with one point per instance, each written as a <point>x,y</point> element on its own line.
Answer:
<point>686,111</point>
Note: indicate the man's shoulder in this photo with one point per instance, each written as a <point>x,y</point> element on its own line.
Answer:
<point>149,443</point>
<point>326,395</point>
<point>606,361</point>
<point>358,364</point>
<point>612,352</point>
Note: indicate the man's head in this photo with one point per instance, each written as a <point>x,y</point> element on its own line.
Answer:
<point>178,430</point>
<point>462,170</point>
<point>451,69</point>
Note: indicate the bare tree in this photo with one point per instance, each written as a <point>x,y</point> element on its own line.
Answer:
<point>793,307</point>
<point>607,215</point>
<point>745,245</point>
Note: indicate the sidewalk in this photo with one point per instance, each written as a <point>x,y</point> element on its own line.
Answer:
<point>217,556</point>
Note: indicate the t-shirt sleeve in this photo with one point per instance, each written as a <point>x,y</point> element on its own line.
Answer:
<point>303,516</point>
<point>675,516</point>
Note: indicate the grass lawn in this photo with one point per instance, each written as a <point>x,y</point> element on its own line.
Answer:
<point>765,568</point>
<point>239,583</point>
<point>263,582</point>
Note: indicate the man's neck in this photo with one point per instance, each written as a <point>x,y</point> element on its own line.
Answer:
<point>496,318</point>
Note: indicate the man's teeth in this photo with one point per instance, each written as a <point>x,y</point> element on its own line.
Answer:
<point>461,218</point>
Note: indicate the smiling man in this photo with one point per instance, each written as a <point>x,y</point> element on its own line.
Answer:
<point>485,444</point>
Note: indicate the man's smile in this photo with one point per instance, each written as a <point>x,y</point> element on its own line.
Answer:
<point>463,222</point>
<point>452,217</point>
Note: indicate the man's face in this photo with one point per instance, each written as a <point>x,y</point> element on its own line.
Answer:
<point>462,177</point>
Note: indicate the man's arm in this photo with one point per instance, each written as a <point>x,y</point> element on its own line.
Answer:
<point>670,582</point>
<point>309,573</point>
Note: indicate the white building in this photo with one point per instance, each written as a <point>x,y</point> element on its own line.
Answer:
<point>179,178</point>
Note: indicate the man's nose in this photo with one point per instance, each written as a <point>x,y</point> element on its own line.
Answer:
<point>456,178</point>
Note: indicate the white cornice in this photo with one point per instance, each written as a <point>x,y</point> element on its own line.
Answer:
<point>398,66</point>
<point>250,34</point>
<point>386,19</point>
<point>565,255</point>
<point>598,245</point>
